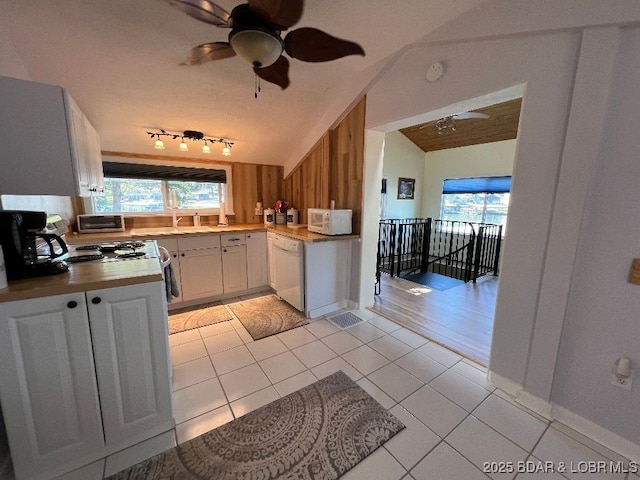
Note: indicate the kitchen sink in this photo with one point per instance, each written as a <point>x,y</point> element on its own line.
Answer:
<point>170,230</point>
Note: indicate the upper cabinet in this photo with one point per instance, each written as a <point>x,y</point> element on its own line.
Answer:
<point>49,146</point>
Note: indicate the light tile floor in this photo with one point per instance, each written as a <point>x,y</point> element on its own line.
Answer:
<point>458,425</point>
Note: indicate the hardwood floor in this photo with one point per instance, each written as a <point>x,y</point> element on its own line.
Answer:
<point>460,318</point>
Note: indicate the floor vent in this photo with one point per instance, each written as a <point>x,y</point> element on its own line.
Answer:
<point>345,320</point>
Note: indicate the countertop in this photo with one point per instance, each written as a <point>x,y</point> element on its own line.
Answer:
<point>297,232</point>
<point>83,277</point>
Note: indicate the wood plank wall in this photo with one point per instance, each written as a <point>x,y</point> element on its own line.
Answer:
<point>346,167</point>
<point>307,186</point>
<point>332,170</point>
<point>251,184</point>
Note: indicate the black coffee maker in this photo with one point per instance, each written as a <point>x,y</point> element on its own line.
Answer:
<point>19,231</point>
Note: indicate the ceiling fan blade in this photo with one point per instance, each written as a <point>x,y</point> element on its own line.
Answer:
<point>467,115</point>
<point>313,45</point>
<point>280,13</point>
<point>208,52</point>
<point>278,73</point>
<point>203,10</point>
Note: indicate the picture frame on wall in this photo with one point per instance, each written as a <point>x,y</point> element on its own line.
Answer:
<point>406,188</point>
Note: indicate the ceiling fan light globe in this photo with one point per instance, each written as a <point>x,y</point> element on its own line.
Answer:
<point>257,48</point>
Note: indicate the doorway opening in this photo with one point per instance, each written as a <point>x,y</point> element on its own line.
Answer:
<point>441,155</point>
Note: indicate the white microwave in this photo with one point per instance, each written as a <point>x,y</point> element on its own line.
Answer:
<point>329,222</point>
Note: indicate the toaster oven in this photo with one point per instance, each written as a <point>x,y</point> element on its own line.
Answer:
<point>100,223</point>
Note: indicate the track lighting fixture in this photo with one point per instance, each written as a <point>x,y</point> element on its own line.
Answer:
<point>192,135</point>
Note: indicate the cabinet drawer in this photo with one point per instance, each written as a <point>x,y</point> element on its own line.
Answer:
<point>257,235</point>
<point>199,253</point>
<point>198,242</point>
<point>230,239</point>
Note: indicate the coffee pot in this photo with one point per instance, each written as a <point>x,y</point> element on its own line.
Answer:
<point>19,231</point>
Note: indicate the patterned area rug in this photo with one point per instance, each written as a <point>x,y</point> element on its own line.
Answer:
<point>268,315</point>
<point>321,432</point>
<point>180,321</point>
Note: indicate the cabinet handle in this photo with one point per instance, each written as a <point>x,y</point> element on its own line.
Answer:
<point>175,255</point>
<point>96,300</point>
<point>72,304</point>
<point>225,250</point>
<point>182,254</point>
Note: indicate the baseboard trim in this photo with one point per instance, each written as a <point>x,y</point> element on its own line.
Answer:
<point>605,437</point>
<point>562,415</point>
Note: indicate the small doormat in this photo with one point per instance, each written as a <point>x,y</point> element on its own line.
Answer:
<point>268,315</point>
<point>321,431</point>
<point>345,320</point>
<point>188,319</point>
<point>434,280</point>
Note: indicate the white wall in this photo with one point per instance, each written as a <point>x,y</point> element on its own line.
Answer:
<point>602,320</point>
<point>11,64</point>
<point>564,75</point>
<point>486,160</point>
<point>402,159</point>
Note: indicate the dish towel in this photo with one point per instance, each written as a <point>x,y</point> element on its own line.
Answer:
<point>170,282</point>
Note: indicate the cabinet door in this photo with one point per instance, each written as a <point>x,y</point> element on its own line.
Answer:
<point>94,159</point>
<point>234,268</point>
<point>257,266</point>
<point>31,166</point>
<point>80,149</point>
<point>129,328</point>
<point>271,261</point>
<point>201,273</point>
<point>47,382</point>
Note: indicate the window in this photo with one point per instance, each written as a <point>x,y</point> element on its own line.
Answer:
<point>478,199</point>
<point>137,188</point>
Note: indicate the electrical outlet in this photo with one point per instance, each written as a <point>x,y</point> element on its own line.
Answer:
<point>624,383</point>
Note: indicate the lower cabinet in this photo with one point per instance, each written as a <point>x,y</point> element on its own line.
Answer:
<point>257,263</point>
<point>83,376</point>
<point>201,273</point>
<point>207,266</point>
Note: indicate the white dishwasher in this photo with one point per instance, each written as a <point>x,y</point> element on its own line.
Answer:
<point>289,270</point>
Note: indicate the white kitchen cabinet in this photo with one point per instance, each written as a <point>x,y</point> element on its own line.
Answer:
<point>271,260</point>
<point>49,146</point>
<point>327,275</point>
<point>200,266</point>
<point>70,367</point>
<point>234,262</point>
<point>257,264</point>
<point>129,333</point>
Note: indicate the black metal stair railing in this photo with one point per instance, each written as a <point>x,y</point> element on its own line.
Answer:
<point>463,250</point>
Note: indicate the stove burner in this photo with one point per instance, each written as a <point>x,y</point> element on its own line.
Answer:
<point>84,258</point>
<point>132,254</point>
<point>87,247</point>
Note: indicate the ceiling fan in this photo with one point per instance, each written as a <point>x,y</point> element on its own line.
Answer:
<point>451,119</point>
<point>255,37</point>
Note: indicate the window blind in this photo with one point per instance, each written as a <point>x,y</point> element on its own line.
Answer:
<point>163,172</point>
<point>477,185</point>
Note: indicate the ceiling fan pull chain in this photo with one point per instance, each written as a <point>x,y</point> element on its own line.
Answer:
<point>257,88</point>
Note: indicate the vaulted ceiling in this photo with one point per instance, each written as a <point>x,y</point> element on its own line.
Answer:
<point>502,124</point>
<point>120,60</point>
